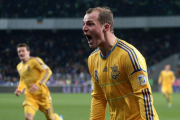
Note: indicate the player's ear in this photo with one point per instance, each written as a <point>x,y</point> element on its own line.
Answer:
<point>106,27</point>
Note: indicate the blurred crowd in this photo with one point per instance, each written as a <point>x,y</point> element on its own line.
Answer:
<point>77,8</point>
<point>66,51</point>
<point>176,84</point>
<point>63,51</point>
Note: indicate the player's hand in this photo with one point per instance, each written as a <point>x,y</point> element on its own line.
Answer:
<point>33,88</point>
<point>17,92</point>
<point>159,83</point>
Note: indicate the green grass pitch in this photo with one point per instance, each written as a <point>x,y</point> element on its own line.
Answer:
<point>77,106</point>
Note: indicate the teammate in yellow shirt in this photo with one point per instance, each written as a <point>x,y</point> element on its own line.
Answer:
<point>33,75</point>
<point>118,70</point>
<point>166,79</point>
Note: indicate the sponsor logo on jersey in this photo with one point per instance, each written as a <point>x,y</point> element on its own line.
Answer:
<point>105,69</point>
<point>115,74</point>
<point>142,79</point>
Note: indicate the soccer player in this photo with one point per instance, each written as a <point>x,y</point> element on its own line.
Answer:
<point>166,79</point>
<point>33,75</point>
<point>118,70</point>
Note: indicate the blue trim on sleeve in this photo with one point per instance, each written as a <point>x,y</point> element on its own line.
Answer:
<point>147,104</point>
<point>133,57</point>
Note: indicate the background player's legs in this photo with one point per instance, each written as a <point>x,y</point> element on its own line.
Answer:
<point>48,112</point>
<point>169,100</point>
<point>170,97</point>
<point>47,108</point>
<point>56,117</point>
<point>29,112</point>
<point>165,95</point>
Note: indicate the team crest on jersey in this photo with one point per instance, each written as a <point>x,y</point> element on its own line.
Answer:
<point>115,74</point>
<point>105,69</point>
<point>28,68</point>
<point>142,80</point>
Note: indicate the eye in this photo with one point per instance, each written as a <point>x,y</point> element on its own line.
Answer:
<point>90,24</point>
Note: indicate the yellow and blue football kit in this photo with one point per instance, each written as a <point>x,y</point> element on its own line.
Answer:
<point>121,80</point>
<point>35,71</point>
<point>166,78</point>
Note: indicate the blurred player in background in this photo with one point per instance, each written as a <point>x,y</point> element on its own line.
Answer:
<point>166,80</point>
<point>118,70</point>
<point>33,75</point>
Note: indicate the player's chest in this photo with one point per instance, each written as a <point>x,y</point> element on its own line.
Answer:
<point>24,70</point>
<point>108,71</point>
<point>166,75</point>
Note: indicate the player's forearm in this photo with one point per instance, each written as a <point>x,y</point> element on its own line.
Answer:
<point>159,81</point>
<point>173,80</point>
<point>98,108</point>
<point>45,75</point>
<point>145,102</point>
<point>21,85</point>
<point>21,88</point>
<point>17,92</point>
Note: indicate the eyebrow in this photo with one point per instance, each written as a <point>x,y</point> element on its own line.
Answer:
<point>87,20</point>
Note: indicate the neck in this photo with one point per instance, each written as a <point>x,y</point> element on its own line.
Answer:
<point>25,60</point>
<point>107,46</point>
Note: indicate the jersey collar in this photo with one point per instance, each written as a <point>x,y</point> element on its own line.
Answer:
<point>110,51</point>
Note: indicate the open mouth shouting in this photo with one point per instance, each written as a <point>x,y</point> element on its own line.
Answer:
<point>21,56</point>
<point>89,38</point>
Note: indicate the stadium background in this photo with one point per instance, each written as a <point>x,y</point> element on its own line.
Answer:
<point>53,30</point>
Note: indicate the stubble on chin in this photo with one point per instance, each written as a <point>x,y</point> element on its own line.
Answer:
<point>92,46</point>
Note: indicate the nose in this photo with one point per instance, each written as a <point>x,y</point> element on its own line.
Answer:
<point>84,28</point>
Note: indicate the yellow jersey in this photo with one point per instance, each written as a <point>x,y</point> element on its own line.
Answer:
<point>34,71</point>
<point>167,78</point>
<point>121,80</point>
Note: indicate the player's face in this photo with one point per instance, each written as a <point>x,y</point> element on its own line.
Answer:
<point>167,67</point>
<point>92,29</point>
<point>23,53</point>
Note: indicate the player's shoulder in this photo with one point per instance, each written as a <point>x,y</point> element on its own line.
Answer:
<point>36,60</point>
<point>123,43</point>
<point>126,48</point>
<point>94,53</point>
<point>32,59</point>
<point>19,64</point>
<point>172,71</point>
<point>39,60</point>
